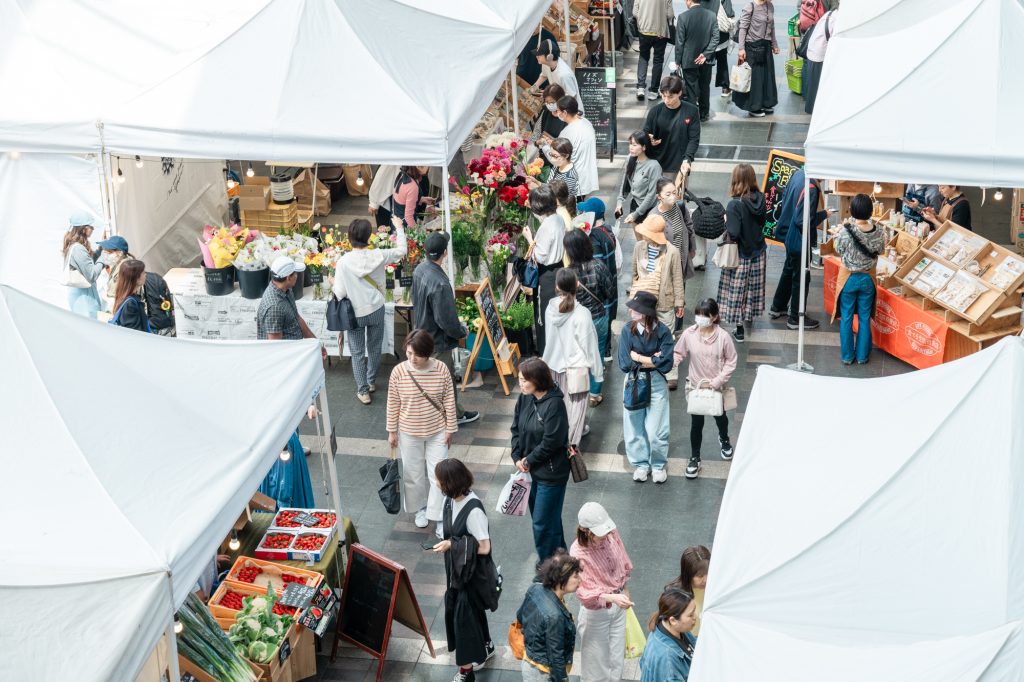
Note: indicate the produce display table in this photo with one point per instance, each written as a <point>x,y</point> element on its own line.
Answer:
<point>919,337</point>
<point>197,315</point>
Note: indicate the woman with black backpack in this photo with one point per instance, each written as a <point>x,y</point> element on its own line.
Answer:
<point>468,567</point>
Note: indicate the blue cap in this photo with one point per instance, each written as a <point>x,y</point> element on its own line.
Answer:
<point>592,205</point>
<point>81,219</point>
<point>115,243</point>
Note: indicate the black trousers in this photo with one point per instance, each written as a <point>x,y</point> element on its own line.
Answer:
<point>698,87</point>
<point>649,44</point>
<point>722,63</point>
<point>787,293</point>
<point>697,431</point>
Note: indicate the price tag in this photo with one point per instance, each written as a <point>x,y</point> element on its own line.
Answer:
<point>297,595</point>
<point>305,519</point>
<point>285,651</point>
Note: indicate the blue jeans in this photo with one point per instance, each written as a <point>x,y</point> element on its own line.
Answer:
<point>646,431</point>
<point>546,510</point>
<point>601,325</point>
<point>857,297</point>
<point>84,302</point>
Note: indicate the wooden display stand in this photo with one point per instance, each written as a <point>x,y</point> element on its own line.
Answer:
<point>490,324</point>
<point>889,197</point>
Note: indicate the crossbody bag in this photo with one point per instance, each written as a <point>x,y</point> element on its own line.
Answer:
<point>433,403</point>
<point>861,246</point>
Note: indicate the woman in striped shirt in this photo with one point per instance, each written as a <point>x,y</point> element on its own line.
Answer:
<point>420,423</point>
<point>602,594</point>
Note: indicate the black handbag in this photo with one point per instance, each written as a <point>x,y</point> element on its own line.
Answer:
<point>637,394</point>
<point>708,217</point>
<point>341,316</point>
<point>577,467</point>
<point>757,52</point>
<point>390,490</point>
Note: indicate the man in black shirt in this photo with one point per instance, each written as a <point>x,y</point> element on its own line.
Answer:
<point>696,41</point>
<point>673,127</point>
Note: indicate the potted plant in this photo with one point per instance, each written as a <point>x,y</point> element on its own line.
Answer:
<point>470,314</point>
<point>517,320</point>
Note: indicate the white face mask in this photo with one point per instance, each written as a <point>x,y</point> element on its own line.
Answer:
<point>551,106</point>
<point>702,321</point>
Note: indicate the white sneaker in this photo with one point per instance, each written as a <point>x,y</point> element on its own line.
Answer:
<point>586,429</point>
<point>659,475</point>
<point>640,92</point>
<point>640,474</point>
<point>421,518</point>
<point>439,531</point>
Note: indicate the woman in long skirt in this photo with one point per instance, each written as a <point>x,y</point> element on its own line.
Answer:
<point>758,47</point>
<point>741,289</point>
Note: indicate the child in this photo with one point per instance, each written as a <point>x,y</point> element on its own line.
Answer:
<point>712,356</point>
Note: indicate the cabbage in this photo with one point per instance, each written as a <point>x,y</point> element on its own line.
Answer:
<point>259,652</point>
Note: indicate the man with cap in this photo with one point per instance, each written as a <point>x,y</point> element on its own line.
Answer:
<point>657,269</point>
<point>155,295</point>
<point>277,316</point>
<point>433,303</point>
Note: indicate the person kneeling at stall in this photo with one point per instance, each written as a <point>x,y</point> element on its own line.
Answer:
<point>858,245</point>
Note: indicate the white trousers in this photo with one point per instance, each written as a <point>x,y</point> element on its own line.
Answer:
<point>602,644</point>
<point>419,457</point>
<point>700,248</point>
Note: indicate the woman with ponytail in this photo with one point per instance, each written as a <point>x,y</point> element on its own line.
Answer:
<point>571,351</point>
<point>669,651</point>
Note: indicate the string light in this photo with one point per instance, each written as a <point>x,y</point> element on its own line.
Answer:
<point>234,544</point>
<point>178,626</point>
<point>359,178</point>
<point>998,196</point>
<point>249,173</point>
<point>120,174</point>
<point>285,455</point>
<point>877,189</point>
<point>138,161</point>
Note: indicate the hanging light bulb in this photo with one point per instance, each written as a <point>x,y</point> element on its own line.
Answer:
<point>998,196</point>
<point>877,189</point>
<point>285,455</point>
<point>234,544</point>
<point>359,178</point>
<point>120,174</point>
<point>178,626</point>
<point>249,173</point>
<point>228,179</point>
<point>14,155</point>
<point>138,161</point>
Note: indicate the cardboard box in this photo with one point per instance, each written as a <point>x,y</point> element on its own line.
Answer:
<point>291,552</point>
<point>253,197</point>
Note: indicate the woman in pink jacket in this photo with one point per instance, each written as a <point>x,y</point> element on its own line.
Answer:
<point>712,358</point>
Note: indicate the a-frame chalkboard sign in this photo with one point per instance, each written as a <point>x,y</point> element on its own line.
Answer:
<point>490,329</point>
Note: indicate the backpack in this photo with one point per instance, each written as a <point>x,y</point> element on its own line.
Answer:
<point>158,302</point>
<point>708,217</point>
<point>605,255</point>
<point>810,12</point>
<point>805,41</point>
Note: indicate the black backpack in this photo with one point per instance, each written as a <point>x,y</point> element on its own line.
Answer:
<point>159,304</point>
<point>708,217</point>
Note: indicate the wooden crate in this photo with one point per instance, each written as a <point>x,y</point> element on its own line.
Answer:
<point>276,218</point>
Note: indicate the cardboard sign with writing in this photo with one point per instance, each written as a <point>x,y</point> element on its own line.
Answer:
<point>780,168</point>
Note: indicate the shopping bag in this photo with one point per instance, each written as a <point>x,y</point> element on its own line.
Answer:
<point>635,640</point>
<point>702,399</point>
<point>729,399</point>
<point>516,641</point>
<point>727,256</point>
<point>390,490</point>
<point>515,496</point>
<point>739,80</point>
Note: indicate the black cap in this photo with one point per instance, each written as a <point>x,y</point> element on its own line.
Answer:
<point>435,244</point>
<point>645,303</point>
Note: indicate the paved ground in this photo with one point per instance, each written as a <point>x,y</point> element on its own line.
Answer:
<point>656,521</point>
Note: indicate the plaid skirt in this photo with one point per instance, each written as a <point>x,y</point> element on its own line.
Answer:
<point>741,290</point>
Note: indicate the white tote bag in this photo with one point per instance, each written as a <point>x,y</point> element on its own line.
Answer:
<point>705,400</point>
<point>72,277</point>
<point>740,78</point>
<point>515,496</point>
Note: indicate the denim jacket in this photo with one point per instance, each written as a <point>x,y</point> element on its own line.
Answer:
<point>664,659</point>
<point>549,632</point>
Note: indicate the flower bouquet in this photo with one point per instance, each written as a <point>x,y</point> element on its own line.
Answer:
<point>499,251</point>
<point>389,283</point>
<point>220,245</point>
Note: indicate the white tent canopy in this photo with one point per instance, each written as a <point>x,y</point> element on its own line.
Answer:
<point>923,91</point>
<point>382,81</point>
<point>119,516</point>
<point>881,540</point>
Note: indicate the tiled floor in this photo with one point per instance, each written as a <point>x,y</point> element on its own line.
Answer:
<point>656,521</point>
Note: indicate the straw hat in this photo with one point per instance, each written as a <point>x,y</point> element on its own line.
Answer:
<point>653,229</point>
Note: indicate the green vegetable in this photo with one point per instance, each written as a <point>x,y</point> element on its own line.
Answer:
<point>258,631</point>
<point>205,644</point>
<point>258,652</point>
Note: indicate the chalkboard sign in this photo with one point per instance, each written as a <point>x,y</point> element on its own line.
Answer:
<point>484,297</point>
<point>373,586</point>
<point>297,595</point>
<point>780,168</point>
<point>597,90</point>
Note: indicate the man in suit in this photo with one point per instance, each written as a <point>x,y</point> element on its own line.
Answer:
<point>696,41</point>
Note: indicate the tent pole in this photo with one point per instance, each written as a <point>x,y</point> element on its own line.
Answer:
<point>172,651</point>
<point>568,42</point>
<point>515,97</point>
<point>446,200</point>
<point>805,238</point>
<point>325,422</point>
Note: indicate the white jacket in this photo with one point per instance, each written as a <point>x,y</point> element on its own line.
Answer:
<point>350,276</point>
<point>584,153</point>
<point>571,340</point>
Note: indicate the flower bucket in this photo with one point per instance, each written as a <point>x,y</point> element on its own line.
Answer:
<point>253,282</point>
<point>298,289</point>
<point>219,281</point>
<point>484,359</point>
<point>309,278</point>
<point>523,337</point>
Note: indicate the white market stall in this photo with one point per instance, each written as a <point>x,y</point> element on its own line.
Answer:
<point>324,80</point>
<point>121,514</point>
<point>870,544</point>
<point>898,102</point>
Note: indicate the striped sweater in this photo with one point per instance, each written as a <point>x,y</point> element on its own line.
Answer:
<point>411,413</point>
<point>606,569</point>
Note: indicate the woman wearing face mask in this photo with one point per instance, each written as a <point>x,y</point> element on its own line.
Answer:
<point>669,650</point>
<point>678,224</point>
<point>548,125</point>
<point>645,345</point>
<point>637,193</point>
<point>693,578</point>
<point>712,355</point>
<point>409,197</point>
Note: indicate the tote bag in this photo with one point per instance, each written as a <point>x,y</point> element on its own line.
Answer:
<point>72,277</point>
<point>727,256</point>
<point>702,399</point>
<point>739,80</point>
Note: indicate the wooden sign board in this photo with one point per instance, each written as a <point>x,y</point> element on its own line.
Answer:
<point>377,592</point>
<point>491,330</point>
<point>597,90</point>
<point>781,167</point>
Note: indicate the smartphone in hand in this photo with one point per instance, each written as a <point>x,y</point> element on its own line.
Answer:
<point>428,545</point>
